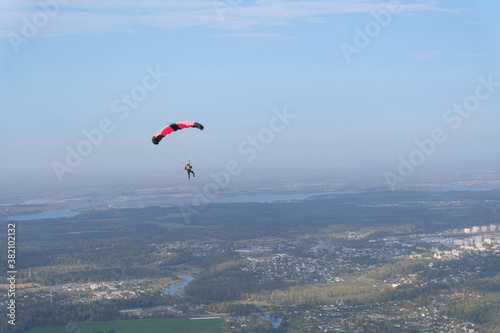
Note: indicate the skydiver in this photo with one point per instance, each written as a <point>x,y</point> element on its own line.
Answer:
<point>189,170</point>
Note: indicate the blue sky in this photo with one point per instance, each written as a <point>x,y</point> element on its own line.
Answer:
<point>357,82</point>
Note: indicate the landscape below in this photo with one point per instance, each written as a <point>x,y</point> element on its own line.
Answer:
<point>367,261</point>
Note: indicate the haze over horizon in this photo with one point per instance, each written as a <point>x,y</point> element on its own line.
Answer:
<point>393,87</point>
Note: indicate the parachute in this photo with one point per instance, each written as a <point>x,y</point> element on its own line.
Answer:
<point>174,127</point>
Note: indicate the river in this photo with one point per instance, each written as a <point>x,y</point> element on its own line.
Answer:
<point>274,320</point>
<point>173,289</point>
<point>72,209</point>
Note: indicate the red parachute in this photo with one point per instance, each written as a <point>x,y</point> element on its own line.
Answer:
<point>174,127</point>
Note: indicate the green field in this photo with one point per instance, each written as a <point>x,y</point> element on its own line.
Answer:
<point>175,325</point>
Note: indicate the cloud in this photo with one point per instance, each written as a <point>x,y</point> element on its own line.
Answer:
<point>83,16</point>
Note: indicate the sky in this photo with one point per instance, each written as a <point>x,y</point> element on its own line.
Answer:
<point>395,86</point>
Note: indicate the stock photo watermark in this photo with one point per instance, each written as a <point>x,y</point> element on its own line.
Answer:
<point>224,7</point>
<point>247,149</point>
<point>33,24</point>
<point>371,30</point>
<point>121,107</point>
<point>454,117</point>
<point>11,273</point>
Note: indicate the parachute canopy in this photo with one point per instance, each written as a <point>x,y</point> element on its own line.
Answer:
<point>174,127</point>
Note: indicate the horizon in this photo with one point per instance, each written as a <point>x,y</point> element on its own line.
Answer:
<point>209,184</point>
